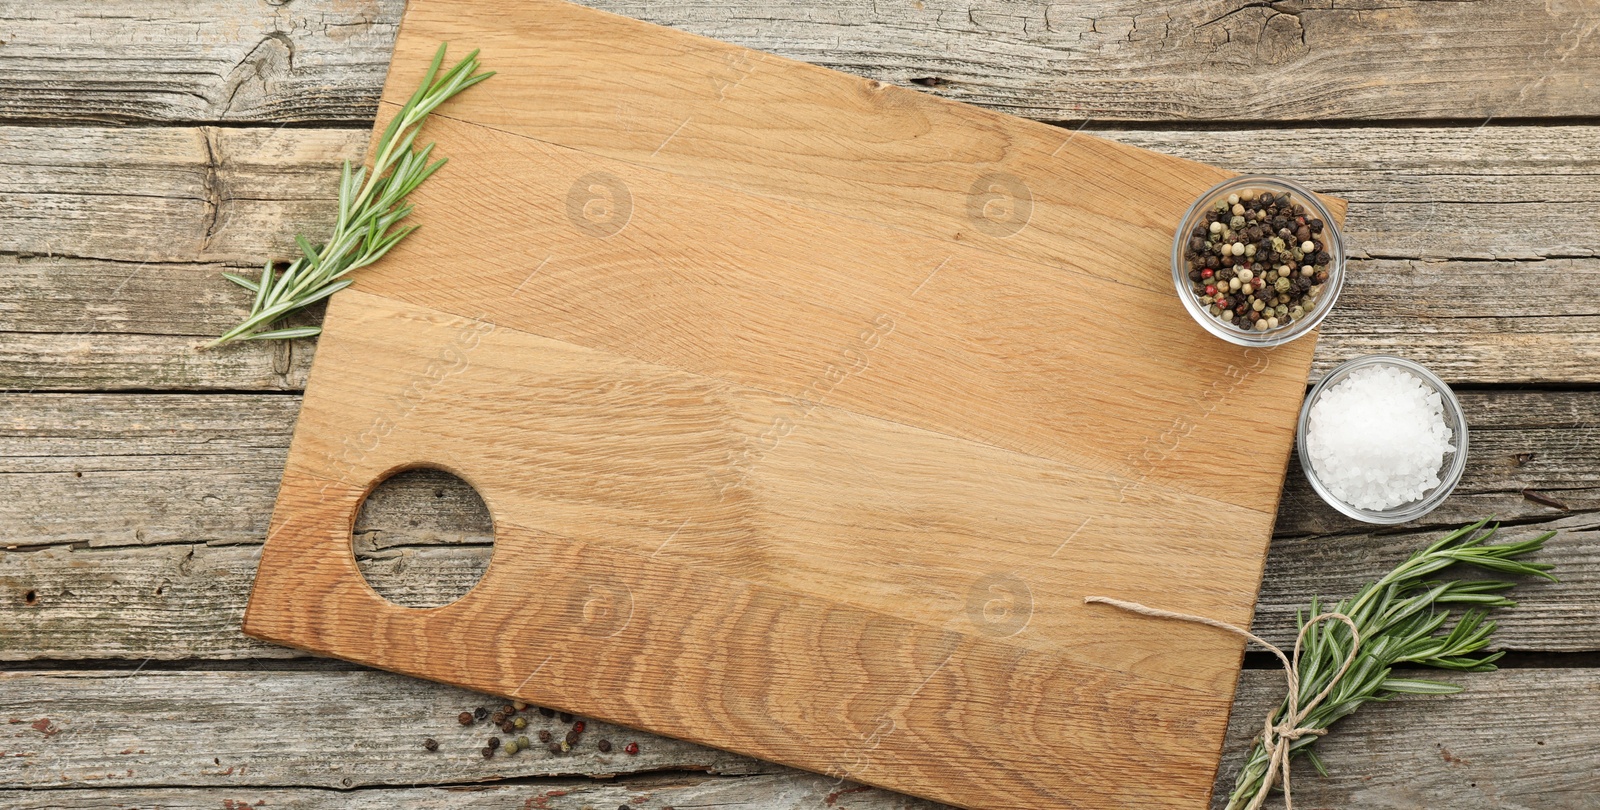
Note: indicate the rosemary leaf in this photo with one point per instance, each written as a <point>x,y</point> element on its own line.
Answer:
<point>1401,619</point>
<point>372,205</point>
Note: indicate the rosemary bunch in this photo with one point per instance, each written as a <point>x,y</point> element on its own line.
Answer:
<point>371,208</point>
<point>1400,621</point>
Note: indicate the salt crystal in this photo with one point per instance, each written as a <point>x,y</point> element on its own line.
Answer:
<point>1377,439</point>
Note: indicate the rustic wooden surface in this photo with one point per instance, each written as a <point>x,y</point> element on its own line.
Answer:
<point>139,474</point>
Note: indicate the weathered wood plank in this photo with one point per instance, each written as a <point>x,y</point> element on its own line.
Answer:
<point>141,469</point>
<point>1517,192</point>
<point>236,195</point>
<point>324,60</point>
<point>155,194</point>
<point>109,361</point>
<point>1516,739</point>
<point>1547,441</point>
<point>787,790</point>
<point>96,326</point>
<point>179,61</point>
<point>191,479</point>
<point>324,729</point>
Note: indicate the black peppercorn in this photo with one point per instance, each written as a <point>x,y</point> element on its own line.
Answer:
<point>431,744</point>
<point>547,712</point>
<point>604,746</point>
<point>465,718</point>
<point>555,748</point>
<point>566,717</point>
<point>494,742</point>
<point>480,713</point>
<point>544,735</point>
<point>572,738</point>
<point>487,752</point>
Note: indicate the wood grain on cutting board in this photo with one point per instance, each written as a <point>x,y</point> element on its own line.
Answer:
<point>807,410</point>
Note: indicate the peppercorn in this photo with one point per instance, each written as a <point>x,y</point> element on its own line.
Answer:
<point>487,752</point>
<point>547,712</point>
<point>512,747</point>
<point>544,735</point>
<point>624,807</point>
<point>431,744</point>
<point>519,705</point>
<point>631,748</point>
<point>520,723</point>
<point>480,714</point>
<point>604,746</point>
<point>555,748</point>
<point>494,742</point>
<point>565,746</point>
<point>507,726</point>
<point>465,718</point>
<point>566,717</point>
<point>579,726</point>
<point>523,744</point>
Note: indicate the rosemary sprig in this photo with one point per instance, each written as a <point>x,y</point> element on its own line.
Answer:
<point>371,208</point>
<point>1400,622</point>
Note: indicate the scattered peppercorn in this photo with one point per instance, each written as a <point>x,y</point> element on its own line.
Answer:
<point>544,735</point>
<point>480,714</point>
<point>520,723</point>
<point>494,742</point>
<point>604,746</point>
<point>624,807</point>
<point>547,712</point>
<point>487,752</point>
<point>512,747</point>
<point>523,744</point>
<point>572,737</point>
<point>631,748</point>
<point>465,718</point>
<point>507,726</point>
<point>555,748</point>
<point>566,717</point>
<point>578,726</point>
<point>431,744</point>
<point>519,705</point>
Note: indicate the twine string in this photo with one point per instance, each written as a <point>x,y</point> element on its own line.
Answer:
<point>1278,738</point>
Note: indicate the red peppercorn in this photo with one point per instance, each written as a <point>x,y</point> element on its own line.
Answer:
<point>1211,289</point>
<point>578,726</point>
<point>631,748</point>
<point>1207,273</point>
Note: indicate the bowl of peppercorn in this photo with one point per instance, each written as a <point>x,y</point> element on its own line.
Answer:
<point>1258,261</point>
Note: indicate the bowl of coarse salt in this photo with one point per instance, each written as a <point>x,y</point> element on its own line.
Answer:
<point>1382,439</point>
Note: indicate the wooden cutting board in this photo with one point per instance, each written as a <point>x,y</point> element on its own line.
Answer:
<point>808,409</point>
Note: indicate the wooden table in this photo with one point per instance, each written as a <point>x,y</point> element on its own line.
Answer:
<point>148,145</point>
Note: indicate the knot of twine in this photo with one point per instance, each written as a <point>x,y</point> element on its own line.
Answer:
<point>1276,738</point>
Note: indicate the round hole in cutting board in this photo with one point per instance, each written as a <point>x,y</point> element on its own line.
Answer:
<point>423,538</point>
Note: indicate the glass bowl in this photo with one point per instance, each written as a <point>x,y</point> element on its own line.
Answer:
<point>1332,241</point>
<point>1454,461</point>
